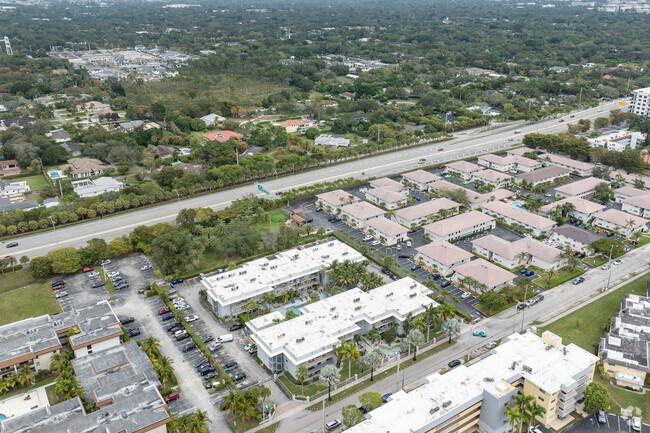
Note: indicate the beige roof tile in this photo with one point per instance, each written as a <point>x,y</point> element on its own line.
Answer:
<point>386,226</point>
<point>511,250</point>
<point>362,210</point>
<point>458,223</point>
<point>522,216</point>
<point>444,252</point>
<point>427,208</point>
<point>580,205</point>
<point>485,273</point>
<point>580,186</point>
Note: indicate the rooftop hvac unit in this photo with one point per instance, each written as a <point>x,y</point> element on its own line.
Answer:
<point>446,404</point>
<point>434,410</point>
<point>413,295</point>
<point>333,308</point>
<point>300,340</point>
<point>488,379</point>
<point>356,299</point>
<point>514,365</point>
<point>358,307</point>
<point>252,279</point>
<point>564,350</point>
<point>413,286</point>
<point>345,253</point>
<point>325,256</point>
<point>549,347</point>
<point>527,369</point>
<point>331,244</point>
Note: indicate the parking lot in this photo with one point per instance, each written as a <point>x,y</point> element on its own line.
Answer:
<point>614,423</point>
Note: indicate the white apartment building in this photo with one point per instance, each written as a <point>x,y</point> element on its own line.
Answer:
<point>624,223</point>
<point>583,210</point>
<point>459,226</point>
<point>507,163</point>
<point>390,184</point>
<point>640,104</point>
<point>332,201</point>
<point>308,339</point>
<point>420,179</point>
<point>575,237</point>
<point>94,187</point>
<point>387,231</point>
<point>474,398</point>
<point>547,174</point>
<point>580,168</point>
<point>618,141</point>
<point>492,177</point>
<point>512,215</point>
<point>638,205</point>
<point>474,198</point>
<point>295,269</point>
<point>628,179</point>
<point>580,188</point>
<point>462,169</point>
<point>441,256</point>
<point>415,216</point>
<point>525,251</point>
<point>386,198</point>
<point>358,214</point>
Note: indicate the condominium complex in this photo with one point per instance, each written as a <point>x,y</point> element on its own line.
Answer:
<point>296,269</point>
<point>35,340</point>
<point>524,251</point>
<point>641,102</point>
<point>308,339</point>
<point>624,349</point>
<point>468,399</point>
<point>582,209</point>
<point>459,226</point>
<point>415,216</point>
<point>515,216</point>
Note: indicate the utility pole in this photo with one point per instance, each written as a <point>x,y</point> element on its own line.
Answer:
<point>609,269</point>
<point>581,96</point>
<point>523,312</point>
<point>323,415</point>
<point>54,228</point>
<point>398,358</point>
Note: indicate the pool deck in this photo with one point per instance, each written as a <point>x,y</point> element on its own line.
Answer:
<point>23,403</point>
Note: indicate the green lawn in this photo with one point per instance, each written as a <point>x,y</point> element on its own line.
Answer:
<point>643,240</point>
<point>277,216</point>
<point>297,389</point>
<point>270,428</point>
<point>51,396</point>
<point>36,182</point>
<point>28,301</point>
<point>13,280</point>
<point>564,274</point>
<point>585,326</point>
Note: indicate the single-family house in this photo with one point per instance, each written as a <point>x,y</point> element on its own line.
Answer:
<point>59,135</point>
<point>574,207</point>
<point>297,125</point>
<point>487,274</point>
<point>524,251</point>
<point>222,136</point>
<point>83,167</point>
<point>441,256</point>
<point>333,200</point>
<point>9,167</point>
<point>14,190</point>
<point>624,223</point>
<point>95,109</point>
<point>212,119</point>
<point>462,169</point>
<point>420,179</point>
<point>387,231</point>
<point>626,192</point>
<point>547,174</point>
<point>6,205</point>
<point>360,213</point>
<point>94,187</point>
<point>638,205</point>
<point>415,216</point>
<point>332,140</point>
<point>580,188</point>
<point>74,149</point>
<point>575,237</point>
<point>491,177</point>
<point>580,168</point>
<point>387,183</point>
<point>508,163</point>
<point>512,215</point>
<point>459,226</point>
<point>386,198</point>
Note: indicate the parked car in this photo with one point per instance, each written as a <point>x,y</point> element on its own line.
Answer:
<point>225,338</point>
<point>86,268</point>
<point>171,397</point>
<point>230,366</point>
<point>207,370</point>
<point>98,284</point>
<point>116,278</point>
<point>145,267</point>
<point>215,347</point>
<point>174,327</point>
<point>57,283</point>
<point>455,363</point>
<point>367,238</point>
<point>636,424</point>
<point>375,243</point>
<point>445,283</point>
<point>113,274</point>
<point>578,280</point>
<point>601,417</point>
<point>124,320</point>
<point>491,345</point>
<point>183,307</point>
<point>132,332</point>
<point>182,337</point>
<point>521,307</point>
<point>235,327</point>
<point>188,347</point>
<point>61,294</point>
<point>530,273</point>
<point>210,375</point>
<point>167,316</point>
<point>385,397</point>
<point>93,274</point>
<point>416,267</point>
<point>465,295</point>
<point>605,266</point>
<point>404,256</point>
<point>58,286</point>
<point>122,285</point>
<point>191,318</point>
<point>617,262</point>
<point>236,377</point>
<point>479,334</point>
<point>178,281</point>
<point>105,262</point>
<point>436,276</point>
<point>207,338</point>
<point>523,271</point>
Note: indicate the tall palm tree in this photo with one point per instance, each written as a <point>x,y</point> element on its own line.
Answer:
<point>549,273</point>
<point>533,410</point>
<point>232,402</point>
<point>514,415</point>
<point>11,261</point>
<point>150,346</point>
<point>351,352</point>
<point>163,366</point>
<point>302,374</point>
<point>25,376</point>
<point>523,257</point>
<point>419,324</point>
<point>372,360</point>
<point>339,351</point>
<point>446,311</point>
<point>566,208</point>
<point>523,401</point>
<point>431,315</point>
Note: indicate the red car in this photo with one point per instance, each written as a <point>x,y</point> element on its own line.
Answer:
<point>163,311</point>
<point>58,286</point>
<point>87,269</point>
<point>171,397</point>
<point>561,120</point>
<point>441,149</point>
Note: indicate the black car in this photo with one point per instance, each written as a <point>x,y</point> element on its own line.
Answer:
<point>207,338</point>
<point>210,375</point>
<point>318,209</point>
<point>235,327</point>
<point>12,244</point>
<point>610,234</point>
<point>394,277</point>
<point>182,337</point>
<point>230,365</point>
<point>385,271</point>
<point>413,231</point>
<point>309,220</point>
<point>174,327</point>
<point>238,376</point>
<point>132,332</point>
<point>57,283</point>
<point>454,363</point>
<point>189,346</point>
<point>404,256</point>
<point>126,319</point>
<point>385,397</point>
<point>167,316</point>
<point>363,410</point>
<point>207,370</point>
<point>98,284</point>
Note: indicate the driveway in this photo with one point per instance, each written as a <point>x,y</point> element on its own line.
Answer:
<point>614,423</point>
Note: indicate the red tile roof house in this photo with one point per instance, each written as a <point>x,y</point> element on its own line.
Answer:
<point>222,136</point>
<point>9,167</point>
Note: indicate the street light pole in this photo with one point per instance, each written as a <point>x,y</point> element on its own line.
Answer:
<point>54,228</point>
<point>609,269</point>
<point>398,359</point>
<point>523,312</point>
<point>323,415</point>
<point>179,200</point>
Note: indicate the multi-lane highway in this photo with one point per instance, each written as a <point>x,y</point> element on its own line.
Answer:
<point>465,144</point>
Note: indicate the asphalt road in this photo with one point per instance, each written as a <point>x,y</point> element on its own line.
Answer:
<point>557,301</point>
<point>465,144</point>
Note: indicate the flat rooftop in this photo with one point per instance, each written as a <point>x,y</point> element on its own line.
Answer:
<point>425,209</point>
<point>262,275</point>
<point>458,223</point>
<point>444,396</point>
<point>323,323</point>
<point>524,217</point>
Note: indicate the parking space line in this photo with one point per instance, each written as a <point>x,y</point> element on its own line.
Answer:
<point>189,381</point>
<point>165,341</point>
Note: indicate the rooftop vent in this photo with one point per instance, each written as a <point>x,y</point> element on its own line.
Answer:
<point>413,295</point>
<point>413,286</point>
<point>356,300</point>
<point>333,308</point>
<point>527,369</point>
<point>345,253</point>
<point>331,244</point>
<point>549,347</point>
<point>326,256</point>
<point>434,410</point>
<point>446,404</point>
<point>514,365</point>
<point>564,350</point>
<point>488,379</point>
<point>358,307</point>
<point>300,340</point>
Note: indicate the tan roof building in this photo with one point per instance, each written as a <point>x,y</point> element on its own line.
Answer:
<point>624,192</point>
<point>386,198</point>
<point>624,223</point>
<point>462,168</point>
<point>513,215</point>
<point>389,232</point>
<point>83,167</point>
<point>387,183</point>
<point>420,213</point>
<point>459,226</point>
<point>492,177</point>
<point>509,254</point>
<point>579,167</point>
<point>420,178</point>
<point>442,256</point>
<point>580,188</point>
<point>519,151</point>
<point>335,199</point>
<point>582,209</point>
<point>360,212</point>
<point>544,174</point>
<point>473,197</point>
<point>486,273</point>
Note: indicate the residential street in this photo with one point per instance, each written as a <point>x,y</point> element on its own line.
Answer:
<point>466,143</point>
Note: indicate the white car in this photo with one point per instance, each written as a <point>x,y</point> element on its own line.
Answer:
<point>399,248</point>
<point>248,346</point>
<point>191,318</point>
<point>113,274</point>
<point>617,262</point>
<point>145,267</point>
<point>605,266</point>
<point>408,244</point>
<point>93,274</point>
<point>61,295</point>
<point>375,243</point>
<point>106,262</point>
<point>367,238</point>
<point>636,424</point>
<point>465,295</point>
<point>183,307</point>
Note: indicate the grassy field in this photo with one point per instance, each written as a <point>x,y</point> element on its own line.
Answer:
<point>36,182</point>
<point>310,389</point>
<point>28,301</point>
<point>584,327</point>
<point>13,280</point>
<point>562,276</point>
<point>278,216</point>
<point>51,396</point>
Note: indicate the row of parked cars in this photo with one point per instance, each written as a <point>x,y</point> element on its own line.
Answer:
<point>530,302</point>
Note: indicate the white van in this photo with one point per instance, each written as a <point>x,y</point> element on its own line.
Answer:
<point>225,338</point>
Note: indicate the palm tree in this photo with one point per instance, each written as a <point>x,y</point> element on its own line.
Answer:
<point>415,338</point>
<point>163,366</point>
<point>150,346</point>
<point>522,402</point>
<point>431,315</point>
<point>232,402</point>
<point>11,261</point>
<point>566,208</point>
<point>549,273</point>
<point>450,328</point>
<point>514,415</point>
<point>265,392</point>
<point>446,311</point>
<point>339,351</point>
<point>533,410</point>
<point>329,376</point>
<point>351,352</point>
<point>419,324</point>
<point>25,376</point>
<point>302,374</point>
<point>635,236</point>
<point>523,257</point>
<point>372,360</point>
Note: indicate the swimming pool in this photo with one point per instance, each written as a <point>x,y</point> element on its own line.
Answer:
<point>518,204</point>
<point>54,175</point>
<point>2,417</point>
<point>296,310</point>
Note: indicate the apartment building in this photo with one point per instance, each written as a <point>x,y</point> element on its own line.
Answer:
<point>581,188</point>
<point>575,237</point>
<point>525,251</point>
<point>512,215</point>
<point>492,177</point>
<point>441,256</point>
<point>640,104</point>
<point>420,179</point>
<point>475,199</point>
<point>459,226</point>
<point>35,340</point>
<point>638,205</point>
<point>121,381</point>
<point>488,274</point>
<point>415,216</point>
<point>624,349</point>
<point>308,339</point>
<point>387,231</point>
<point>474,398</point>
<point>519,151</point>
<point>626,192</point>
<point>508,163</point>
<point>544,175</point>
<point>462,169</point>
<point>623,223</point>
<point>618,141</point>
<point>390,184</point>
<point>360,213</point>
<point>580,168</point>
<point>332,201</point>
<point>386,198</point>
<point>295,269</point>
<point>584,210</point>
<point>619,177</point>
